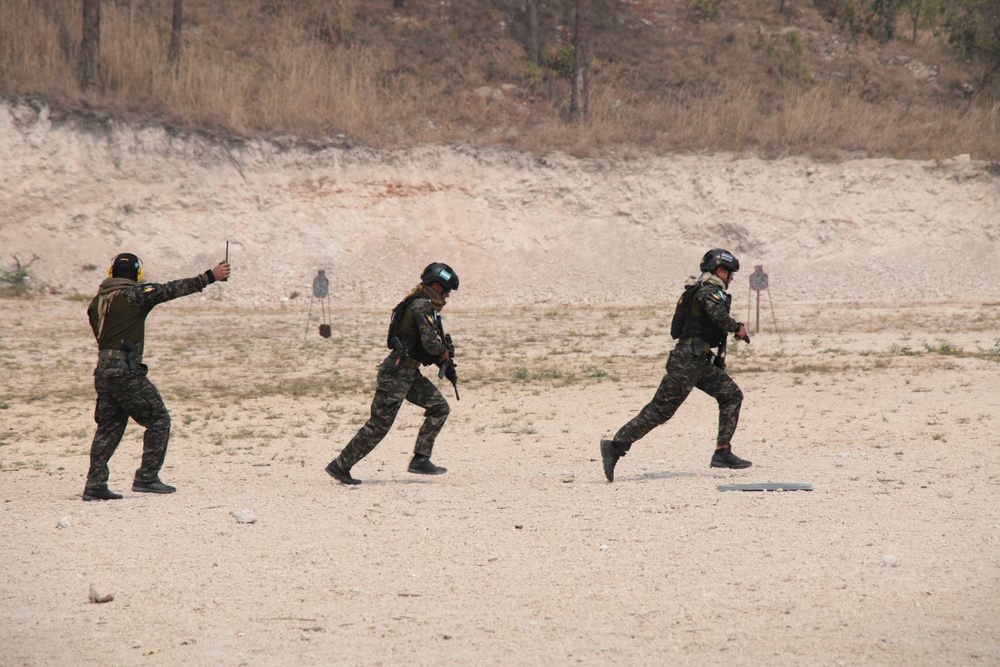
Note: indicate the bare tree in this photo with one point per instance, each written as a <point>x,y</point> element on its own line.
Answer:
<point>174,54</point>
<point>927,12</point>
<point>581,62</point>
<point>914,7</point>
<point>90,47</point>
<point>533,30</point>
<point>16,280</point>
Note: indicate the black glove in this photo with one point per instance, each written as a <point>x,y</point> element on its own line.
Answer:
<point>746,336</point>
<point>451,373</point>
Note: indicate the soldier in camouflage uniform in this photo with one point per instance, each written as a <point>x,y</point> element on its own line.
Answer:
<point>702,323</point>
<point>118,319</point>
<point>417,339</point>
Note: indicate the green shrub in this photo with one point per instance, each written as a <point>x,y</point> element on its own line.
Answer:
<point>944,348</point>
<point>15,280</point>
<point>705,11</point>
<point>562,62</point>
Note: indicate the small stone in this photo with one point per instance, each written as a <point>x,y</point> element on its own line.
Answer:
<point>63,522</point>
<point>890,560</point>
<point>100,591</point>
<point>245,516</point>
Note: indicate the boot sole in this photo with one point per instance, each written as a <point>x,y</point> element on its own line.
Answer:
<point>340,477</point>
<point>731,467</point>
<point>139,489</point>
<point>99,498</point>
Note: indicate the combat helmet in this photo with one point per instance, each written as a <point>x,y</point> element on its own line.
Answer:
<point>126,265</point>
<point>717,257</point>
<point>441,274</point>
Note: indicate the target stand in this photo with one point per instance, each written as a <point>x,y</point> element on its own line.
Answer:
<point>321,292</point>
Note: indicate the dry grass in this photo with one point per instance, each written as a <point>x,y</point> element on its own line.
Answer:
<point>751,81</point>
<point>294,390</point>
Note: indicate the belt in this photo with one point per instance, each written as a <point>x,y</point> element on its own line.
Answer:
<point>112,354</point>
<point>693,342</point>
<point>410,362</point>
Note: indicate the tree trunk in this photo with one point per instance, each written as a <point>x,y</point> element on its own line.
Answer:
<point>915,17</point>
<point>581,62</point>
<point>90,47</point>
<point>174,54</point>
<point>533,30</point>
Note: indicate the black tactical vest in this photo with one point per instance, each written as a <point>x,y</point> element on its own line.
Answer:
<point>403,325</point>
<point>691,321</point>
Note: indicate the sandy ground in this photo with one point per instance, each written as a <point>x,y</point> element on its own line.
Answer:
<point>874,378</point>
<point>522,553</point>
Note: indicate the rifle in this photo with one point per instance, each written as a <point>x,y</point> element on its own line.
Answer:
<point>719,361</point>
<point>447,368</point>
<point>746,337</point>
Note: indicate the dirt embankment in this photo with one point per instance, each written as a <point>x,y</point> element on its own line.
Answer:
<point>517,228</point>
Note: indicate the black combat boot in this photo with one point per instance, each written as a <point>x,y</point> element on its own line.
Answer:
<point>100,493</point>
<point>341,475</point>
<point>724,458</point>
<point>156,486</point>
<point>422,466</point>
<point>610,453</point>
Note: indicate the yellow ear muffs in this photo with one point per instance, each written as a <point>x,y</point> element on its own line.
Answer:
<point>125,257</point>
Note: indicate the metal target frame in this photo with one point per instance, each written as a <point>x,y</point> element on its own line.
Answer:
<point>321,292</point>
<point>759,282</point>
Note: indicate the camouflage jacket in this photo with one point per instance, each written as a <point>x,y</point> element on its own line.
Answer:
<point>710,318</point>
<point>127,303</point>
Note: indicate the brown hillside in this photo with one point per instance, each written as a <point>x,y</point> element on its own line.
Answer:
<point>667,76</point>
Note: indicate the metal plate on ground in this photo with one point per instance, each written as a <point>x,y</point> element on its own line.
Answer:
<point>767,486</point>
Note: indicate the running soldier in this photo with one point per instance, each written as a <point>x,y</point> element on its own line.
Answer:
<point>118,319</point>
<point>417,338</point>
<point>701,323</point>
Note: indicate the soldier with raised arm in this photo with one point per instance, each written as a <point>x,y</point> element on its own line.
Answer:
<point>118,319</point>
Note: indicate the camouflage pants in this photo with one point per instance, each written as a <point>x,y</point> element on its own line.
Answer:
<point>395,386</point>
<point>121,395</point>
<point>684,373</point>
